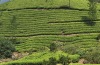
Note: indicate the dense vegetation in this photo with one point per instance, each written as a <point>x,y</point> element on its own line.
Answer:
<point>43,27</point>
<point>6,48</point>
<point>27,4</point>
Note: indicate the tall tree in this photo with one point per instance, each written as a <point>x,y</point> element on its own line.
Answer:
<point>12,29</point>
<point>69,3</point>
<point>6,48</point>
<point>13,25</point>
<point>92,9</point>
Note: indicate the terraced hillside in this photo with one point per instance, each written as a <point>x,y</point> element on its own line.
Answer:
<point>49,24</point>
<point>40,23</point>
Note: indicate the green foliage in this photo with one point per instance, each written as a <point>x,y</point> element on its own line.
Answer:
<point>6,48</point>
<point>81,52</point>
<point>40,58</point>
<point>44,4</point>
<point>69,3</point>
<point>82,64</point>
<point>92,9</point>
<point>93,55</point>
<point>71,49</point>
<point>98,37</point>
<point>53,47</point>
<point>74,58</point>
<point>38,28</point>
<point>45,62</point>
<point>28,23</point>
<point>64,60</point>
<point>52,61</point>
<point>14,40</point>
<point>13,25</point>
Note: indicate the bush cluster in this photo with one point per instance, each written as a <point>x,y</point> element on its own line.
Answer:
<point>6,48</point>
<point>93,56</point>
<point>52,61</point>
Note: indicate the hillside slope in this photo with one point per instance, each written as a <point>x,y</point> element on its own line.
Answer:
<point>40,23</point>
<point>19,4</point>
<point>51,25</point>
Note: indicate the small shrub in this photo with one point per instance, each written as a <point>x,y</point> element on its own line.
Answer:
<point>74,58</point>
<point>53,47</point>
<point>81,52</point>
<point>93,56</point>
<point>98,37</point>
<point>45,62</point>
<point>70,49</point>
<point>52,61</point>
<point>64,60</point>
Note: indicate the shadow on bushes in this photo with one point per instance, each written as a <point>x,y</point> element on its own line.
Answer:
<point>88,21</point>
<point>98,38</point>
<point>71,8</point>
<point>64,7</point>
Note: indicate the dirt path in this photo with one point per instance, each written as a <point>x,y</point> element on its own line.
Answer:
<point>70,34</point>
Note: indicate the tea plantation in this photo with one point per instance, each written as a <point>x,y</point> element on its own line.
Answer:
<point>38,23</point>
